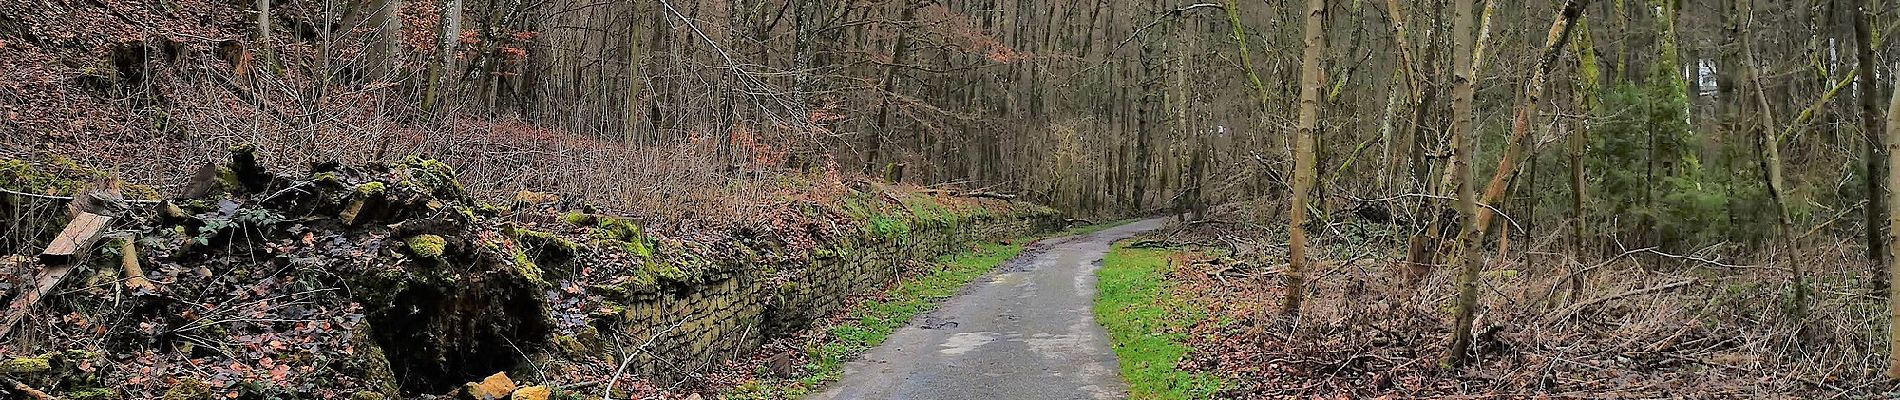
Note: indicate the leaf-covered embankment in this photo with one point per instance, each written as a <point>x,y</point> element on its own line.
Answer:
<point>388,280</point>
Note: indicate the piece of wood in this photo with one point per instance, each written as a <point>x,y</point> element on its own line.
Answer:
<point>129,265</point>
<point>76,240</point>
<point>67,250</point>
<point>28,391</point>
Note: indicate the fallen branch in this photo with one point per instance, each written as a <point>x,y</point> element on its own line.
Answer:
<point>129,266</point>
<point>28,391</point>
<point>991,195</point>
<point>1652,250</point>
<point>1574,308</point>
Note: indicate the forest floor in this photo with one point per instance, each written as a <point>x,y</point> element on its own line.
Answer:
<point>1194,313</point>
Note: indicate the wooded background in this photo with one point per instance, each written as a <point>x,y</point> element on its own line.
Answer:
<point>1106,107</point>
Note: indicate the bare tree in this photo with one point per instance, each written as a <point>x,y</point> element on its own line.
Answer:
<point>1464,252</point>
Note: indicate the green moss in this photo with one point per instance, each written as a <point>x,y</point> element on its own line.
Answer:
<point>188,388</point>
<point>526,268</point>
<point>433,177</point>
<point>372,365</point>
<point>578,218</point>
<point>20,175</point>
<point>92,394</point>
<point>326,178</point>
<point>20,365</point>
<point>426,246</point>
<point>227,179</point>
<point>609,232</point>
<point>884,227</point>
<point>549,248</point>
<point>371,188</point>
<point>666,271</point>
<point>570,346</point>
<point>491,208</point>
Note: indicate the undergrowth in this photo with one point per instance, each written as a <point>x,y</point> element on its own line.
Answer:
<point>1146,324</point>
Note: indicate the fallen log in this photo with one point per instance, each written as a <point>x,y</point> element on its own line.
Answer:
<point>990,195</point>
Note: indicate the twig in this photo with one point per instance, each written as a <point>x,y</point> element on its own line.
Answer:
<point>1652,250</point>
<point>628,359</point>
<point>37,196</point>
<point>66,198</point>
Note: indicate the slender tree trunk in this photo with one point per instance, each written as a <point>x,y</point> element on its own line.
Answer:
<point>1875,157</point>
<point>1465,250</point>
<point>385,52</point>
<point>1892,143</point>
<point>630,107</point>
<point>1527,108</point>
<point>1770,146</point>
<point>444,58</point>
<point>900,55</point>
<point>1589,81</point>
<point>1177,105</point>
<point>1303,157</point>
<point>263,34</point>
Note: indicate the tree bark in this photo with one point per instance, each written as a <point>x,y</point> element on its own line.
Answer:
<point>1465,248</point>
<point>1770,147</point>
<point>1589,81</point>
<point>1303,158</point>
<point>900,55</point>
<point>444,59</point>
<point>1875,157</point>
<point>1892,142</point>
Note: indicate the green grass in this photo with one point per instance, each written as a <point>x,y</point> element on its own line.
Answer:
<point>1145,325</point>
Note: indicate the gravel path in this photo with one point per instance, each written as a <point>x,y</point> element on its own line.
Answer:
<point>1026,331</point>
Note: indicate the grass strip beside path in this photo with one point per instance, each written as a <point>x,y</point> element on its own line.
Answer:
<point>1146,324</point>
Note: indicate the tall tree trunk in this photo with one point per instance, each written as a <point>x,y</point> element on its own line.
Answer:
<point>1589,81</point>
<point>263,33</point>
<point>631,106</point>
<point>1892,143</point>
<point>384,54</point>
<point>1875,139</point>
<point>444,59</point>
<point>1770,147</point>
<point>1464,252</point>
<point>900,56</point>
<point>1189,192</point>
<point>1303,157</point>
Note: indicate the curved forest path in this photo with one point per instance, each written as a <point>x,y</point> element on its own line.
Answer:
<point>1027,331</point>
